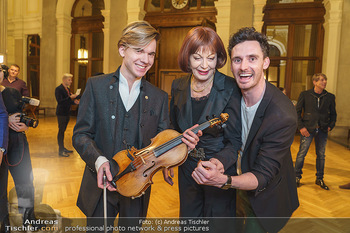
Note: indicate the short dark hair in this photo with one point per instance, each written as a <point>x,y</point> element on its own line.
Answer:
<point>196,38</point>
<point>249,34</point>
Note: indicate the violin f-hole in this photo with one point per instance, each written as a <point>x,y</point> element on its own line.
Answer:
<point>144,172</point>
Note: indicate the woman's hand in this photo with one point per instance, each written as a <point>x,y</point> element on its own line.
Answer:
<point>190,138</point>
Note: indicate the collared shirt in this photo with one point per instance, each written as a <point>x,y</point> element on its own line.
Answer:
<point>129,99</point>
<point>18,84</point>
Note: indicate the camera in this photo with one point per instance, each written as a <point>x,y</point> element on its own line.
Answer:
<point>5,70</point>
<point>28,121</point>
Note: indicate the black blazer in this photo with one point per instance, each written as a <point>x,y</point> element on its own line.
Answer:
<point>224,98</point>
<point>63,101</point>
<point>267,155</point>
<point>94,133</point>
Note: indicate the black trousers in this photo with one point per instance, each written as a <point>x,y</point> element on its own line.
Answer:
<point>62,126</point>
<point>202,200</point>
<point>18,162</point>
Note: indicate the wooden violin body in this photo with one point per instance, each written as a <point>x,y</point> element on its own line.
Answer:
<point>137,167</point>
<point>134,183</point>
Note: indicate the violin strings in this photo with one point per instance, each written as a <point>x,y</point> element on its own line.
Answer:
<point>165,146</point>
<point>174,142</point>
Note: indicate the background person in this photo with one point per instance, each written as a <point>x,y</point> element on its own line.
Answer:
<point>265,180</point>
<point>64,99</point>
<point>205,92</point>
<point>316,117</point>
<point>13,81</point>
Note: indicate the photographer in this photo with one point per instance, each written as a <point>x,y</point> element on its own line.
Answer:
<point>17,159</point>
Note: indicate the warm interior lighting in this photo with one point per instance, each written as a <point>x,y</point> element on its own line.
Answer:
<point>1,58</point>
<point>82,52</point>
<point>82,56</point>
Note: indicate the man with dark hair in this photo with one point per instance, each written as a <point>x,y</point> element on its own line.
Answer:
<point>265,181</point>
<point>316,117</point>
<point>13,81</point>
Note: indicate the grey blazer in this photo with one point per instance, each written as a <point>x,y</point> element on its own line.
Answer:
<point>94,133</point>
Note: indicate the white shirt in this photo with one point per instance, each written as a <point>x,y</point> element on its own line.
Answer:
<point>129,99</point>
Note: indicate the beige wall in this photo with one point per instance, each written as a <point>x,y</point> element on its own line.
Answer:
<point>116,17</point>
<point>24,18</point>
<point>343,84</point>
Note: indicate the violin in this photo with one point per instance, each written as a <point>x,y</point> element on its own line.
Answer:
<point>137,167</point>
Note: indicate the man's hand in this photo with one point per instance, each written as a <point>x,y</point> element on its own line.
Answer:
<point>76,101</point>
<point>304,132</point>
<point>73,96</point>
<point>190,138</point>
<point>14,123</point>
<point>218,164</point>
<point>207,173</point>
<point>108,174</point>
<point>168,175</point>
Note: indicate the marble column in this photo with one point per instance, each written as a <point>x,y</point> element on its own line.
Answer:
<point>48,55</point>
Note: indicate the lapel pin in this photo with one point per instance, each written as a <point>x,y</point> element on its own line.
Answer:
<point>146,97</point>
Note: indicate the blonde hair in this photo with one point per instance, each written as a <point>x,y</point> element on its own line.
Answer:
<point>138,35</point>
<point>67,75</point>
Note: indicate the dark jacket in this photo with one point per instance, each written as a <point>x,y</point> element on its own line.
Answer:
<point>314,112</point>
<point>63,101</point>
<point>267,155</point>
<point>94,133</point>
<point>224,98</point>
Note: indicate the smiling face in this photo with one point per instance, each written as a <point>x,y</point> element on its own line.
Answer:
<point>67,81</point>
<point>203,64</point>
<point>137,61</point>
<point>248,65</point>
